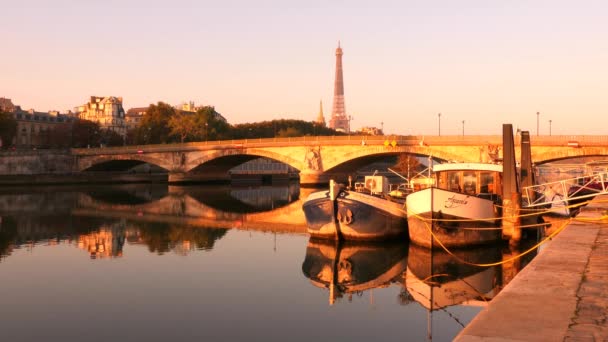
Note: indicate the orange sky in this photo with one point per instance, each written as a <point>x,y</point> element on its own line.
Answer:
<point>486,63</point>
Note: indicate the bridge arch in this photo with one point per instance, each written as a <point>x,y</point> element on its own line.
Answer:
<point>366,152</point>
<point>544,157</point>
<point>235,157</point>
<point>89,163</point>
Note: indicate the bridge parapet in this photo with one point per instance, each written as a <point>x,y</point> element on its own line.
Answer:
<point>429,140</point>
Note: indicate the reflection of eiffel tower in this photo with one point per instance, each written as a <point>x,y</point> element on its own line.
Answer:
<point>339,120</point>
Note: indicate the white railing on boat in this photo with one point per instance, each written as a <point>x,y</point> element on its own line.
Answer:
<point>559,192</point>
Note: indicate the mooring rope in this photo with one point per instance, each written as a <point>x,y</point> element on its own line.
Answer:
<point>549,237</point>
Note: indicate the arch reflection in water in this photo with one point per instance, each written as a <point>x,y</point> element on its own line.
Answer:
<point>353,267</point>
<point>276,207</point>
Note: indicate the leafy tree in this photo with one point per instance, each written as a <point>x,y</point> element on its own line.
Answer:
<point>154,126</point>
<point>61,135</point>
<point>131,137</point>
<point>111,138</point>
<point>86,133</point>
<point>289,132</point>
<point>8,129</point>
<point>183,126</point>
<point>275,128</point>
<point>210,126</point>
<point>407,165</point>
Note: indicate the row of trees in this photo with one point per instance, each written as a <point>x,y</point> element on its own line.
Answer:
<point>160,125</point>
<point>164,124</point>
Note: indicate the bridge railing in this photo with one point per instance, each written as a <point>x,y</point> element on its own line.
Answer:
<point>33,152</point>
<point>556,140</point>
<point>255,142</point>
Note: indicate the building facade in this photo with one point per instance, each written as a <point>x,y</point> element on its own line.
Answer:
<point>371,131</point>
<point>190,108</point>
<point>134,116</point>
<point>107,111</point>
<point>33,127</point>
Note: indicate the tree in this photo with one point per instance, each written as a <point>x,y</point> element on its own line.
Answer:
<point>210,126</point>
<point>131,137</point>
<point>86,133</point>
<point>154,126</point>
<point>275,128</point>
<point>61,135</point>
<point>407,164</point>
<point>183,126</point>
<point>8,129</point>
<point>289,132</point>
<point>111,138</point>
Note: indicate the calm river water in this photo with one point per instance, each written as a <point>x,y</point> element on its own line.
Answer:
<point>162,263</point>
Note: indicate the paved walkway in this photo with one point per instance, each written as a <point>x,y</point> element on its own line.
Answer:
<point>562,295</point>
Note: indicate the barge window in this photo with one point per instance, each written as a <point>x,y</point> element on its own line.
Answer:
<point>454,181</point>
<point>486,180</point>
<point>470,182</point>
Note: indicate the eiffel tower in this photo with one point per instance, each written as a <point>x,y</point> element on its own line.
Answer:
<point>339,121</point>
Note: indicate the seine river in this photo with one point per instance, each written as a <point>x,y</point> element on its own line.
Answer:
<point>217,263</point>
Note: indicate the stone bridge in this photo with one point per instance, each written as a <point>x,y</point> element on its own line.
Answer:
<point>319,158</point>
<point>316,158</point>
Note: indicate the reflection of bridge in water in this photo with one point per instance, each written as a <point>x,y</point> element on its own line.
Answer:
<point>100,219</point>
<point>199,207</point>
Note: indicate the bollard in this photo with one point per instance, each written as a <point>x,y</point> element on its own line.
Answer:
<point>510,218</point>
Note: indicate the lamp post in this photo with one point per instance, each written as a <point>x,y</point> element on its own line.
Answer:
<point>463,128</point>
<point>550,121</point>
<point>206,138</point>
<point>382,127</point>
<point>349,119</point>
<point>439,118</point>
<point>537,125</point>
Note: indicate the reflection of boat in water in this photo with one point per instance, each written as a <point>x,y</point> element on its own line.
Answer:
<point>469,277</point>
<point>437,280</point>
<point>461,209</point>
<point>352,267</point>
<point>355,215</point>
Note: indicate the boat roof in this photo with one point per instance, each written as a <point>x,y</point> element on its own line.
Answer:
<point>467,167</point>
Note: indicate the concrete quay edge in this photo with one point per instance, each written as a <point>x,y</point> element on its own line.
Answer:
<point>546,301</point>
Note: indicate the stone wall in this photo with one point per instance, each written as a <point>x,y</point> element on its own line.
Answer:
<point>35,163</point>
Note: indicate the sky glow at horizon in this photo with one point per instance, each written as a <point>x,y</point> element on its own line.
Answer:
<point>483,62</point>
